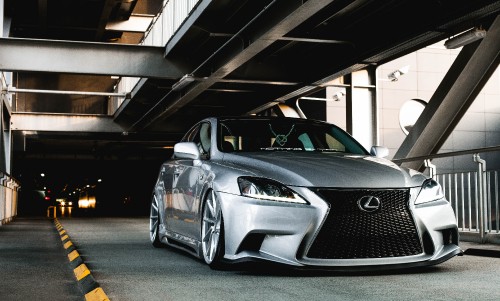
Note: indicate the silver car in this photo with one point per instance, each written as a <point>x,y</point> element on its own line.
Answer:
<point>298,192</point>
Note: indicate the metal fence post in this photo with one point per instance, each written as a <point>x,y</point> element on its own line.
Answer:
<point>432,168</point>
<point>483,195</point>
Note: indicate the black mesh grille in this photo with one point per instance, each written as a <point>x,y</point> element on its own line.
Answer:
<point>350,232</point>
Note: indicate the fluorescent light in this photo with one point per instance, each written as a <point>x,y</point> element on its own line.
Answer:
<point>465,38</point>
<point>133,24</point>
<point>183,82</point>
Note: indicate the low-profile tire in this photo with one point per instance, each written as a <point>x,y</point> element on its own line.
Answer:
<point>154,223</point>
<point>212,232</point>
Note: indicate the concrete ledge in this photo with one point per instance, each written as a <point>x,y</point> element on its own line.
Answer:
<point>489,238</point>
<point>482,252</point>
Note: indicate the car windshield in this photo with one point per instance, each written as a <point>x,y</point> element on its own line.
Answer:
<point>261,135</point>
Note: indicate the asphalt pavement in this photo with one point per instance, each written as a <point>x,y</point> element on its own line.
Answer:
<point>34,262</point>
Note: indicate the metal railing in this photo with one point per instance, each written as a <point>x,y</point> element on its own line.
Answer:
<point>474,194</point>
<point>52,212</point>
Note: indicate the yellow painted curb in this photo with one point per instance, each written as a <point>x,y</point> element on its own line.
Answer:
<point>68,244</point>
<point>73,255</point>
<point>96,295</point>
<point>81,271</point>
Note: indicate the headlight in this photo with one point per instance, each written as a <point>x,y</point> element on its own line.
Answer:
<point>431,191</point>
<point>266,189</point>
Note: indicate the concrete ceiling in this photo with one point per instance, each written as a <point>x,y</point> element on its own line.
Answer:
<point>245,56</point>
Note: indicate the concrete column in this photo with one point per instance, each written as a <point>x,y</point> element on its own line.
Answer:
<point>1,18</point>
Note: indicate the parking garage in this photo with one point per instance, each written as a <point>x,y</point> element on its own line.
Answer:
<point>95,94</point>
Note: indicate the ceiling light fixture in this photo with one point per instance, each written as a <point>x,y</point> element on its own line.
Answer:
<point>465,38</point>
<point>183,82</point>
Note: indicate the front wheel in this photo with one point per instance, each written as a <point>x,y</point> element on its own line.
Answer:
<point>154,223</point>
<point>212,232</point>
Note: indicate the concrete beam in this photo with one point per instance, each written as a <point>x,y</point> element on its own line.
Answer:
<point>86,58</point>
<point>459,88</point>
<point>275,21</point>
<point>64,123</point>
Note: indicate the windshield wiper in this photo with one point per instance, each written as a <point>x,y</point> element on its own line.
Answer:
<point>329,150</point>
<point>281,149</point>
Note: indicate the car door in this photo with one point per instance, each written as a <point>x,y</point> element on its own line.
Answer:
<point>164,190</point>
<point>188,179</point>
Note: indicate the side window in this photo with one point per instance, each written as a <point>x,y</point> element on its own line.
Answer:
<point>202,138</point>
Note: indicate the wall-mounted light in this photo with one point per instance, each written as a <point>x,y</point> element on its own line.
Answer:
<point>465,38</point>
<point>183,82</point>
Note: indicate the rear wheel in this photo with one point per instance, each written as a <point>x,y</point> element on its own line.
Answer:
<point>212,232</point>
<point>154,223</point>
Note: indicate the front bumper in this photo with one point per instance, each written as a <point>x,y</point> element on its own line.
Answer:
<point>284,232</point>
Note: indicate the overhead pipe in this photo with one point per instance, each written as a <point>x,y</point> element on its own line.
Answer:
<point>39,91</point>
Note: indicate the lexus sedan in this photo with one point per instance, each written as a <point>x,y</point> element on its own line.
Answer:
<point>298,192</point>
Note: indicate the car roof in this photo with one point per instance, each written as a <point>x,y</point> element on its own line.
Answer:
<point>253,117</point>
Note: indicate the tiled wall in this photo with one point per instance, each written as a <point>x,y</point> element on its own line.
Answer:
<point>479,127</point>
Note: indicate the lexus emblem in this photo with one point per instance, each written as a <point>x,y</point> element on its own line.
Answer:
<point>369,203</point>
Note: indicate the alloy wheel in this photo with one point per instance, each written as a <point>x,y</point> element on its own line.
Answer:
<point>154,222</point>
<point>211,227</point>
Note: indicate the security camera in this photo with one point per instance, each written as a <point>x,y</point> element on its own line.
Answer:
<point>394,75</point>
<point>338,95</point>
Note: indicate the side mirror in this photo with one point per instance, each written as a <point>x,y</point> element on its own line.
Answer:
<point>379,151</point>
<point>186,150</point>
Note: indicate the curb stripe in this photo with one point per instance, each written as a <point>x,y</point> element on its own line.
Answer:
<point>68,244</point>
<point>73,255</point>
<point>89,287</point>
<point>96,295</point>
<point>81,271</point>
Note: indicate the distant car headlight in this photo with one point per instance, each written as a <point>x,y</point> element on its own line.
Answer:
<point>431,191</point>
<point>265,189</point>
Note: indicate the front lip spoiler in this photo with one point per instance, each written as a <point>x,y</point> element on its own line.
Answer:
<point>390,267</point>
<point>443,256</point>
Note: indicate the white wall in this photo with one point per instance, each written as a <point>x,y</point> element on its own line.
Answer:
<point>479,127</point>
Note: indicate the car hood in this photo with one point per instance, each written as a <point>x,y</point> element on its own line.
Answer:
<point>314,169</point>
